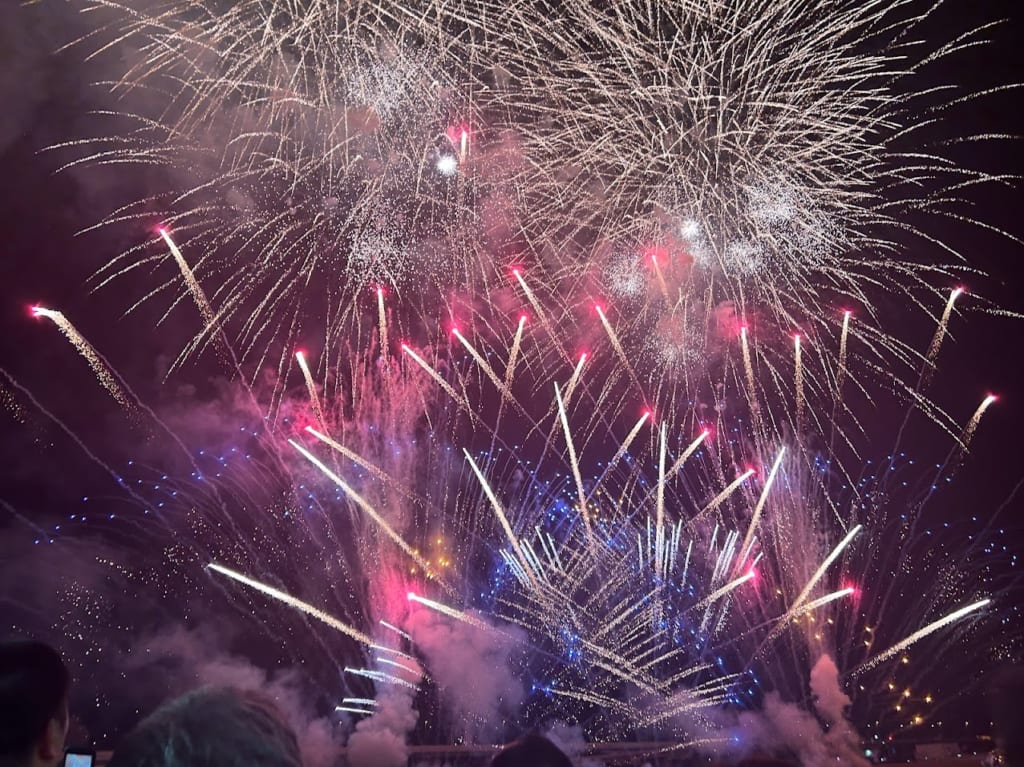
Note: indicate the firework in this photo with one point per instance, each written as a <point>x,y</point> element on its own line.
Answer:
<point>291,601</point>
<point>722,190</point>
<point>104,373</point>
<point>314,398</point>
<point>972,425</point>
<point>922,633</point>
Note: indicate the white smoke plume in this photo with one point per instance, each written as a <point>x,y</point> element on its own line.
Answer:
<point>380,740</point>
<point>472,669</point>
<point>831,702</point>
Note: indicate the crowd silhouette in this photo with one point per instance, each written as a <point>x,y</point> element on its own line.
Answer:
<point>226,727</point>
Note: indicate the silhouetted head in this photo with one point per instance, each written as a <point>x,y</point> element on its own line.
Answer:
<point>531,751</point>
<point>1006,694</point>
<point>211,727</point>
<point>34,684</point>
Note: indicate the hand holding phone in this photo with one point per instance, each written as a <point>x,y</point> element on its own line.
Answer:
<point>79,757</point>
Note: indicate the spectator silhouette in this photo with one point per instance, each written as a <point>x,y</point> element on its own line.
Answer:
<point>211,727</point>
<point>531,751</point>
<point>34,685</point>
<point>1006,695</point>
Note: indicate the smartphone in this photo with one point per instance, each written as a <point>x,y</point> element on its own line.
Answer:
<point>79,757</point>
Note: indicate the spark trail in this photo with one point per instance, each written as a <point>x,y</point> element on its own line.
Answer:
<point>291,601</point>
<point>628,441</point>
<point>484,365</point>
<point>456,398</point>
<point>364,505</point>
<point>833,555</point>
<point>748,541</point>
<point>314,397</point>
<point>748,369</point>
<point>841,368</point>
<point>921,634</point>
<point>104,372</point>
<point>940,332</point>
<point>722,496</point>
<point>449,611</point>
<point>972,425</point>
<point>382,324</point>
<point>801,403</point>
<point>513,354</point>
<point>573,460</point>
<point>194,288</point>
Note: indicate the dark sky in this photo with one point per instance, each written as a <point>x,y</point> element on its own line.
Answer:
<point>45,100</point>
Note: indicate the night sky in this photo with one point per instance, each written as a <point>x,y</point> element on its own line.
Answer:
<point>45,99</point>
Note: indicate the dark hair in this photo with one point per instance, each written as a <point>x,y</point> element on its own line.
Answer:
<point>211,727</point>
<point>34,684</point>
<point>531,751</point>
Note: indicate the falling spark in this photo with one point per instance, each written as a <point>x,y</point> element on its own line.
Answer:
<point>513,354</point>
<point>360,701</point>
<point>530,296</point>
<point>440,381</point>
<point>394,628</point>
<point>291,601</point>
<point>825,565</point>
<point>940,331</point>
<point>660,276</point>
<point>380,676</point>
<point>729,490</point>
<point>208,315</point>
<point>484,365</point>
<point>799,376</point>
<point>660,503</point>
<point>921,634</point>
<point>392,650</point>
<point>690,449</point>
<point>972,425</point>
<point>714,596</point>
<point>624,447</point>
<point>574,379</point>
<point>841,372</point>
<point>364,505</point>
<point>314,398</point>
<point>616,344</point>
<point>449,611</point>
<point>573,462</point>
<point>748,368</point>
<point>351,710</point>
<point>396,664</point>
<point>104,373</point>
<point>499,512</point>
<point>352,456</point>
<point>814,604</point>
<point>756,516</point>
<point>382,324</point>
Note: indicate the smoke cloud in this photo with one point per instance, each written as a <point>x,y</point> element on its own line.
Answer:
<point>194,657</point>
<point>379,740</point>
<point>783,728</point>
<point>471,667</point>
